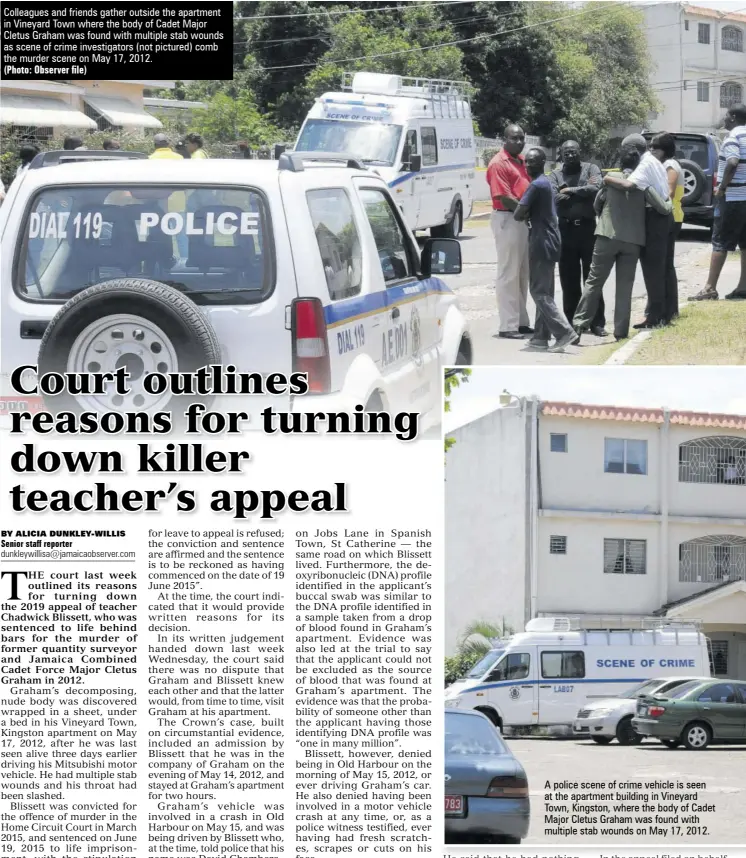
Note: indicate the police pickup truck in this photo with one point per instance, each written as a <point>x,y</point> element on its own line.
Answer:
<point>303,265</point>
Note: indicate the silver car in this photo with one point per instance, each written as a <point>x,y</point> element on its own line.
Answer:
<point>486,789</point>
<point>610,718</point>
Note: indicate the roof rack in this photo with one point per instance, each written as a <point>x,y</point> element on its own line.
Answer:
<point>615,622</point>
<point>293,162</point>
<point>64,156</point>
<point>449,99</point>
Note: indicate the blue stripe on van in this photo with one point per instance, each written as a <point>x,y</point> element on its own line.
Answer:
<point>365,305</point>
<point>439,168</point>
<point>551,682</point>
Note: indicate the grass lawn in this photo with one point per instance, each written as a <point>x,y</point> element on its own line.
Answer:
<point>707,333</point>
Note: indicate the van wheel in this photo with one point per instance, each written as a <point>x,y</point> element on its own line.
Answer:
<point>671,743</point>
<point>142,325</point>
<point>451,228</point>
<point>493,716</point>
<point>602,740</point>
<point>626,733</point>
<point>463,358</point>
<point>375,403</point>
<point>696,736</point>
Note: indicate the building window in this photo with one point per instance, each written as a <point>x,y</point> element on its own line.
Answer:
<point>625,456</point>
<point>719,658</point>
<point>703,34</point>
<point>732,39</point>
<point>562,665</point>
<point>730,93</point>
<point>686,25</point>
<point>712,560</point>
<point>713,460</point>
<point>558,545</point>
<point>429,147</point>
<point>558,443</point>
<point>625,556</point>
<point>703,90</point>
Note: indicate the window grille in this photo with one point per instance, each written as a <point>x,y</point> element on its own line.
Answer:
<point>730,93</point>
<point>732,39</point>
<point>703,91</point>
<point>625,556</point>
<point>713,560</point>
<point>558,545</point>
<point>720,460</point>
<point>719,658</point>
<point>703,34</point>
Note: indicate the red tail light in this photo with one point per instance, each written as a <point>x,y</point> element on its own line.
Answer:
<point>508,786</point>
<point>310,350</point>
<point>656,711</point>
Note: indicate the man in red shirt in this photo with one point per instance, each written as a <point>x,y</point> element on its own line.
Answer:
<point>508,181</point>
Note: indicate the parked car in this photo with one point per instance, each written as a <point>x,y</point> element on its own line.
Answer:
<point>486,789</point>
<point>611,717</point>
<point>695,714</point>
<point>302,265</point>
<point>698,156</point>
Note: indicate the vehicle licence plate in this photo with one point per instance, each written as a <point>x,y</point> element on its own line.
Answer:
<point>454,805</point>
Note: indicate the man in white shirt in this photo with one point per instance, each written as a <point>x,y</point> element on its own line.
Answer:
<point>650,173</point>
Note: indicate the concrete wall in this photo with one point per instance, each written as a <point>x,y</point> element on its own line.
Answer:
<point>576,479</point>
<point>485,526</point>
<point>576,582</point>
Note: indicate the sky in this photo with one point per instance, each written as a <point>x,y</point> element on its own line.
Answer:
<point>687,388</point>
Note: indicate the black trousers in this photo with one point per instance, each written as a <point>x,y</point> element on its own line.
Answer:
<point>575,265</point>
<point>658,267</point>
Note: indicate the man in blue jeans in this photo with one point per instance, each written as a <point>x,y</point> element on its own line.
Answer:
<point>544,245</point>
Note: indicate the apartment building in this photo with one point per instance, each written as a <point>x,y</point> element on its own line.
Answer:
<point>700,64</point>
<point>42,108</point>
<point>608,514</point>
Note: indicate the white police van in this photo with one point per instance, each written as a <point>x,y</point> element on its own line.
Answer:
<point>543,676</point>
<point>302,265</point>
<point>417,133</point>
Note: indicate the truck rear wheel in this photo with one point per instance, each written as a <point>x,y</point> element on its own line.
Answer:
<point>451,228</point>
<point>142,325</point>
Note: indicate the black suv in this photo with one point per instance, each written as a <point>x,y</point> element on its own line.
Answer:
<point>698,156</point>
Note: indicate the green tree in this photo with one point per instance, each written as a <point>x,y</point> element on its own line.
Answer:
<point>227,119</point>
<point>473,644</point>
<point>604,63</point>
<point>452,379</point>
<point>394,42</point>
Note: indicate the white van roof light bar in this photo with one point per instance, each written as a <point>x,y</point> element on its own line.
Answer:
<point>448,98</point>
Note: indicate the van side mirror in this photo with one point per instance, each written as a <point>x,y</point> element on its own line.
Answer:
<point>440,256</point>
<point>415,163</point>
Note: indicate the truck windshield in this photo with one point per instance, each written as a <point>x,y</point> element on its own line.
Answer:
<point>212,243</point>
<point>372,142</point>
<point>484,664</point>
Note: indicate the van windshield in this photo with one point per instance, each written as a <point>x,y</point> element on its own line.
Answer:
<point>484,664</point>
<point>372,142</point>
<point>212,243</point>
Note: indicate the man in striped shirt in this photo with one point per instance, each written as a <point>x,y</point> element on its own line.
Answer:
<point>729,230</point>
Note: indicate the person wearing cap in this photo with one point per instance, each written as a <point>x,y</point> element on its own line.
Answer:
<point>162,148</point>
<point>650,173</point>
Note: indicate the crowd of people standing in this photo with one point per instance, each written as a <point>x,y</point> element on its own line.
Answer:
<point>589,224</point>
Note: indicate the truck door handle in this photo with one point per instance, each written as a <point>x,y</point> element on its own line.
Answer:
<point>33,330</point>
<point>395,313</point>
<point>545,686</point>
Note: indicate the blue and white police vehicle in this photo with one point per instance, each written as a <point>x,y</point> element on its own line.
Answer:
<point>303,265</point>
<point>416,133</point>
<point>545,675</point>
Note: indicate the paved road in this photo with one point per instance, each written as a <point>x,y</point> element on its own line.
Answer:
<point>475,287</point>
